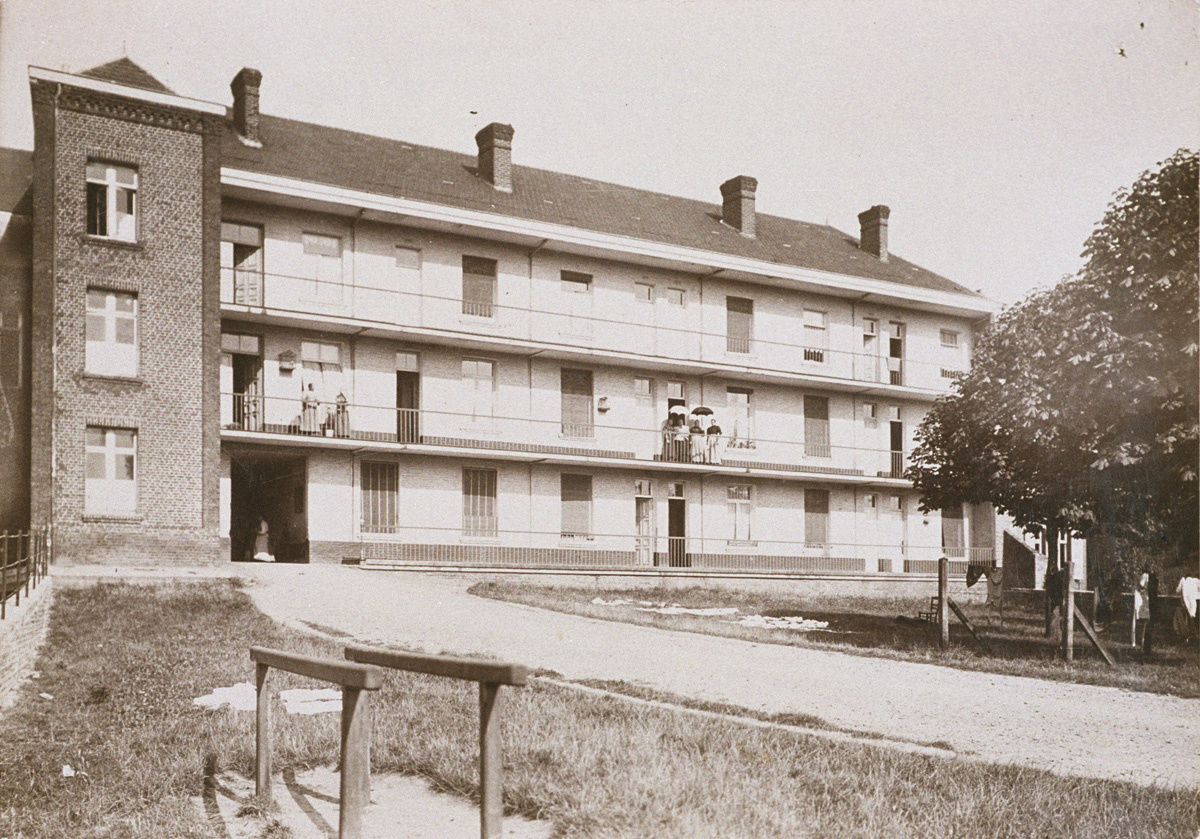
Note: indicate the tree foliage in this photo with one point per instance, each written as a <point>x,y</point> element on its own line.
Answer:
<point>1080,409</point>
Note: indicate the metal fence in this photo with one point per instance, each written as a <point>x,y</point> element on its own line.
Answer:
<point>471,547</point>
<point>26,558</point>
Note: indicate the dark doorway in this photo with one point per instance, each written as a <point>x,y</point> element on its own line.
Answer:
<point>897,443</point>
<point>247,391</point>
<point>270,490</point>
<point>677,533</point>
<point>408,406</point>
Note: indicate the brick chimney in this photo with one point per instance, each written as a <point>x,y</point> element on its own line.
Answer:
<point>245,104</point>
<point>737,204</point>
<point>495,155</point>
<point>873,234</point>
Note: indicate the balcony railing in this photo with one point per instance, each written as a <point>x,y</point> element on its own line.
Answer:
<point>309,418</point>
<point>446,546</point>
<point>642,328</point>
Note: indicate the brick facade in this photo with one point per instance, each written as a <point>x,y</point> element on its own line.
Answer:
<point>173,269</point>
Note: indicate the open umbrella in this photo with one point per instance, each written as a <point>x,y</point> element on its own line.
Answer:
<point>678,409</point>
<point>701,411</point>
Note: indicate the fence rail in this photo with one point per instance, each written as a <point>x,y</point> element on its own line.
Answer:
<point>491,676</point>
<point>356,726</point>
<point>26,562</point>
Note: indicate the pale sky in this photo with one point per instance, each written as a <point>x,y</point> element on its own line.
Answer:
<point>996,130</point>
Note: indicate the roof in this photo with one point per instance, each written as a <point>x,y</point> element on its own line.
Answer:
<point>350,160</point>
<point>126,72</point>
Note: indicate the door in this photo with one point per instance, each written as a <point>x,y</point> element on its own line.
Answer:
<point>897,449</point>
<point>247,392</point>
<point>869,359</point>
<point>408,406</point>
<point>677,533</point>
<point>896,354</point>
<point>644,522</point>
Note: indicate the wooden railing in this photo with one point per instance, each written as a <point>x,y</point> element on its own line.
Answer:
<point>356,726</point>
<point>491,676</point>
<point>26,562</point>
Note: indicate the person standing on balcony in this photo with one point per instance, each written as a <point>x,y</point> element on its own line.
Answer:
<point>341,417</point>
<point>310,420</point>
<point>714,442</point>
<point>697,444</point>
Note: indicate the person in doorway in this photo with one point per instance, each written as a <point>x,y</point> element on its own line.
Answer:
<point>310,420</point>
<point>262,542</point>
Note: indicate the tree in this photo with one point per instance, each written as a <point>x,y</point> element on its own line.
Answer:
<point>1080,409</point>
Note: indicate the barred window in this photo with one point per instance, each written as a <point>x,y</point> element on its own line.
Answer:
<point>739,324</point>
<point>576,506</point>
<point>479,502</point>
<point>380,497</point>
<point>739,500</point>
<point>478,286</point>
<point>816,426</point>
<point>816,516</point>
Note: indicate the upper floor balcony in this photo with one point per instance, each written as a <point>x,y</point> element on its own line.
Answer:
<point>569,439</point>
<point>713,337</point>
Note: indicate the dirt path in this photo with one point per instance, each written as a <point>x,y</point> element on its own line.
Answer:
<point>1070,729</point>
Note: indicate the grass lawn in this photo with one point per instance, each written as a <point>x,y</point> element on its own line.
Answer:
<point>869,626</point>
<point>124,662</point>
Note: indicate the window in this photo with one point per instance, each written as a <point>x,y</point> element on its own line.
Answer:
<point>816,516</point>
<point>643,390</point>
<point>739,499</point>
<point>741,414</point>
<point>241,344</point>
<point>896,503</point>
<point>479,503</point>
<point>479,379</point>
<point>643,292</point>
<point>871,501</point>
<point>409,362</point>
<point>675,489</point>
<point>949,339</point>
<point>643,487</point>
<point>575,283</point>
<point>953,531</point>
<point>323,259</point>
<point>576,506</point>
<point>110,483</point>
<point>676,394</point>
<point>322,370</point>
<point>816,426</point>
<point>870,412</point>
<point>576,386</point>
<point>111,340</point>
<point>816,336</point>
<point>241,264</point>
<point>112,201</point>
<point>739,324</point>
<point>479,286</point>
<point>380,497</point>
<point>408,260</point>
<point>676,297</point>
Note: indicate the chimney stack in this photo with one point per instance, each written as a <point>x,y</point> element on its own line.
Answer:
<point>495,155</point>
<point>737,203</point>
<point>245,104</point>
<point>873,234</point>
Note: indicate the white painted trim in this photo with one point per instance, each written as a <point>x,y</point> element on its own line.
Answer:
<point>153,96</point>
<point>619,245</point>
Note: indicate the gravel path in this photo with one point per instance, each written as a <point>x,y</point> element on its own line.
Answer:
<point>1080,730</point>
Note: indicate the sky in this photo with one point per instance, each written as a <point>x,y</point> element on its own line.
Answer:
<point>997,131</point>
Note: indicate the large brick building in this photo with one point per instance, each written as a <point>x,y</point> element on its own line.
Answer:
<point>247,333</point>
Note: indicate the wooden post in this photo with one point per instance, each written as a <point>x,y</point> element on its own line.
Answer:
<point>491,781</point>
<point>356,761</point>
<point>944,602</point>
<point>28,560</point>
<point>262,731</point>
<point>4,580</point>
<point>1068,644</point>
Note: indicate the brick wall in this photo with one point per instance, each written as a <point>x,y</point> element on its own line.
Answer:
<point>21,634</point>
<point>172,403</point>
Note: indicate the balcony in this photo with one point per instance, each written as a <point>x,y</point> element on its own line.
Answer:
<point>401,545</point>
<point>643,332</point>
<point>309,422</point>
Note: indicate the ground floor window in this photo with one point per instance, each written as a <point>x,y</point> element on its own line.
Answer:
<point>739,501</point>
<point>479,502</point>
<point>380,497</point>
<point>953,531</point>
<point>816,516</point>
<point>576,506</point>
<point>110,485</point>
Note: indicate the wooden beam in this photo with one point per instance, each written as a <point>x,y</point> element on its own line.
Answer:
<point>453,667</point>
<point>491,763</point>
<point>1090,632</point>
<point>963,617</point>
<point>342,673</point>
<point>943,602</point>
<point>262,734</point>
